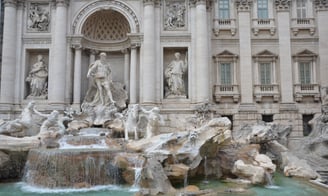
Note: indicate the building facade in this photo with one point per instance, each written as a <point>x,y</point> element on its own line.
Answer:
<point>250,60</point>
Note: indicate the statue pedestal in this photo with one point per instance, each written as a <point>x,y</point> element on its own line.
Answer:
<point>176,97</point>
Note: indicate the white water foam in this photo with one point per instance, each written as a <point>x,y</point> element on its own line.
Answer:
<point>64,145</point>
<point>35,189</point>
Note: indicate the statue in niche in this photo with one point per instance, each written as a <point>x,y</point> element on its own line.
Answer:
<point>174,76</point>
<point>175,16</point>
<point>38,17</point>
<point>101,73</point>
<point>37,78</point>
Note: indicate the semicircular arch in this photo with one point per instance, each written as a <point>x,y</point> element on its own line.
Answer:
<point>93,7</point>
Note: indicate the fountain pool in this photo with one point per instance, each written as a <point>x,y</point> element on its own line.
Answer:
<point>283,186</point>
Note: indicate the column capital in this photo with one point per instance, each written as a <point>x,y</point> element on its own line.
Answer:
<point>135,45</point>
<point>61,3</point>
<point>321,5</point>
<point>10,3</point>
<point>282,5</point>
<point>77,46</point>
<point>150,2</point>
<point>244,5</point>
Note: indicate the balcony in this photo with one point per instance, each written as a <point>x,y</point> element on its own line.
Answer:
<point>306,90</point>
<point>263,25</point>
<point>267,90</point>
<point>303,24</point>
<point>224,25</point>
<point>230,91</point>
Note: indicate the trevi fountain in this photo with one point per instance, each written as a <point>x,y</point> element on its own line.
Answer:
<point>110,148</point>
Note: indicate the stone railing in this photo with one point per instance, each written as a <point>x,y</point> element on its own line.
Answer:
<point>263,24</point>
<point>304,24</point>
<point>267,90</point>
<point>229,91</point>
<point>224,25</point>
<point>306,90</point>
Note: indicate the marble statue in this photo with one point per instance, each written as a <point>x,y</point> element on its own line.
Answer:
<point>101,73</point>
<point>38,17</point>
<point>22,126</point>
<point>154,121</point>
<point>174,76</point>
<point>175,16</point>
<point>132,121</point>
<point>38,77</point>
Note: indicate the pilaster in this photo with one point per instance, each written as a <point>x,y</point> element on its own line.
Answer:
<point>8,72</point>
<point>77,76</point>
<point>321,7</point>
<point>286,74</point>
<point>246,73</point>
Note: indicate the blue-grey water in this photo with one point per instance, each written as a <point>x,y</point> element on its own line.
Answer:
<point>283,187</point>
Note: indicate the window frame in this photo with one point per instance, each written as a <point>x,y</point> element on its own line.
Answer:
<point>262,9</point>
<point>224,9</point>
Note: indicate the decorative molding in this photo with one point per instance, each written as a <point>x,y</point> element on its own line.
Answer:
<point>244,5</point>
<point>103,4</point>
<point>149,2</point>
<point>37,40</point>
<point>321,5</point>
<point>282,5</point>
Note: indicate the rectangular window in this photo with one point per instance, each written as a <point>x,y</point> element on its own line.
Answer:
<point>301,8</point>
<point>224,9</point>
<point>265,71</point>
<point>305,72</point>
<point>262,9</point>
<point>226,73</point>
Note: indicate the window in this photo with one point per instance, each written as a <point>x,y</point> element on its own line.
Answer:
<point>265,73</point>
<point>226,74</point>
<point>305,72</point>
<point>262,9</point>
<point>224,9</point>
<point>306,126</point>
<point>301,8</point>
<point>267,118</point>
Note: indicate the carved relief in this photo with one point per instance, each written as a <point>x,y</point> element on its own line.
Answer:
<point>244,5</point>
<point>38,19</point>
<point>282,4</point>
<point>175,15</point>
<point>38,78</point>
<point>175,73</point>
<point>321,4</point>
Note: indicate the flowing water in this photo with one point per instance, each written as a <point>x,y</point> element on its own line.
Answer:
<point>285,187</point>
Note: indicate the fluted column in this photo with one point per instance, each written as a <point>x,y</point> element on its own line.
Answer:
<point>133,75</point>
<point>202,52</point>
<point>77,76</point>
<point>8,72</point>
<point>57,71</point>
<point>192,64</point>
<point>126,68</point>
<point>148,75</point>
<point>286,74</point>
<point>245,50</point>
<point>322,16</point>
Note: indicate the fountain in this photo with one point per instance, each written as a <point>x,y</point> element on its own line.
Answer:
<point>94,147</point>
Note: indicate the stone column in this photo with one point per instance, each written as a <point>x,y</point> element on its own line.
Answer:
<point>133,75</point>
<point>20,76</point>
<point>296,72</point>
<point>256,71</point>
<point>286,74</point>
<point>57,72</point>
<point>202,52</point>
<point>274,77</point>
<point>322,16</point>
<point>246,74</point>
<point>8,72</point>
<point>77,77</point>
<point>92,56</point>
<point>126,68</point>
<point>192,64</point>
<point>148,80</point>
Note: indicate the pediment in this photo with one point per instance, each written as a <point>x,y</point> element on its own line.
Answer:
<point>265,53</point>
<point>225,53</point>
<point>306,53</point>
